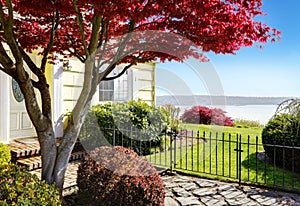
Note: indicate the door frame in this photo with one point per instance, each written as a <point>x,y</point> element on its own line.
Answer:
<point>4,108</point>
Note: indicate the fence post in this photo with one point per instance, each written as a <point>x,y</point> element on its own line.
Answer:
<point>171,151</point>
<point>175,137</point>
<point>239,157</point>
<point>240,160</point>
<point>114,136</point>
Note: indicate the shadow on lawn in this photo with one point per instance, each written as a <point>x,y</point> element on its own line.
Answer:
<point>256,170</point>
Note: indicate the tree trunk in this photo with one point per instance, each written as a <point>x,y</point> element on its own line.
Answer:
<point>65,148</point>
<point>63,155</point>
<point>55,160</point>
<point>49,152</point>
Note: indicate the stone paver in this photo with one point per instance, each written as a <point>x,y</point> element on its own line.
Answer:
<point>171,202</point>
<point>189,186</point>
<point>184,190</point>
<point>181,192</point>
<point>203,192</point>
<point>198,191</point>
<point>184,201</point>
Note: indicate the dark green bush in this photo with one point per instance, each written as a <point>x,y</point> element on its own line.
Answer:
<point>5,155</point>
<point>132,124</point>
<point>18,187</point>
<point>118,176</point>
<point>283,130</point>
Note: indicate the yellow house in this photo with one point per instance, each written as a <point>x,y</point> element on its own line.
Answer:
<point>65,81</point>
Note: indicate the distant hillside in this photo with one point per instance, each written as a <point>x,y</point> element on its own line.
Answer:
<point>207,100</point>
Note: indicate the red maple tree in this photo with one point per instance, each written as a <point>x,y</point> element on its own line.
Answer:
<point>110,33</point>
<point>206,115</point>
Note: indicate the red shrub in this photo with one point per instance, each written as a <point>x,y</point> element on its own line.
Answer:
<point>205,115</point>
<point>118,176</point>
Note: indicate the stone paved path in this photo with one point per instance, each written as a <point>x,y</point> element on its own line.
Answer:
<point>184,190</point>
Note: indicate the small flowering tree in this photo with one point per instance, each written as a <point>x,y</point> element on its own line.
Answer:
<point>205,115</point>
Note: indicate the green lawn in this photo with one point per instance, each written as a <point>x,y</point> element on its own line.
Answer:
<point>214,154</point>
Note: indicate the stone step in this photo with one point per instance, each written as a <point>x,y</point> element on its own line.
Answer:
<point>35,162</point>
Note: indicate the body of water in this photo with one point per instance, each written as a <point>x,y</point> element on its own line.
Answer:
<point>261,113</point>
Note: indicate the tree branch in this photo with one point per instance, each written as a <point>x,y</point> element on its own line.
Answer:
<point>149,23</point>
<point>120,51</point>
<point>30,63</point>
<point>122,44</point>
<point>11,41</point>
<point>80,24</point>
<point>105,73</point>
<point>10,14</point>
<point>118,75</point>
<point>55,24</point>
<point>75,53</point>
<point>78,56</point>
<point>127,67</point>
<point>8,72</point>
<point>5,60</point>
<point>35,84</point>
<point>95,34</point>
<point>114,63</point>
<point>102,32</point>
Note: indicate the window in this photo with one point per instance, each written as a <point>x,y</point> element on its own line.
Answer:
<point>106,91</point>
<point>121,88</point>
<point>114,90</point>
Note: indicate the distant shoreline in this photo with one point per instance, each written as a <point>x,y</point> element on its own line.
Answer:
<point>206,100</point>
<point>248,108</point>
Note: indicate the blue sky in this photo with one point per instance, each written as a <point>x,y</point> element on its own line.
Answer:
<point>272,71</point>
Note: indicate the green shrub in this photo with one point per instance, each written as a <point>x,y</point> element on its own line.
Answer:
<point>118,176</point>
<point>5,155</point>
<point>243,123</point>
<point>133,124</point>
<point>174,118</point>
<point>282,130</point>
<point>18,187</point>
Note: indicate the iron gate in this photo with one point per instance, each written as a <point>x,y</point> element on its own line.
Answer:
<point>227,156</point>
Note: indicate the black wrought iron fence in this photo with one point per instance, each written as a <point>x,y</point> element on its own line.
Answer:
<point>240,158</point>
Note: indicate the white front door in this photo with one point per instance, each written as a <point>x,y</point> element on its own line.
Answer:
<point>20,124</point>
